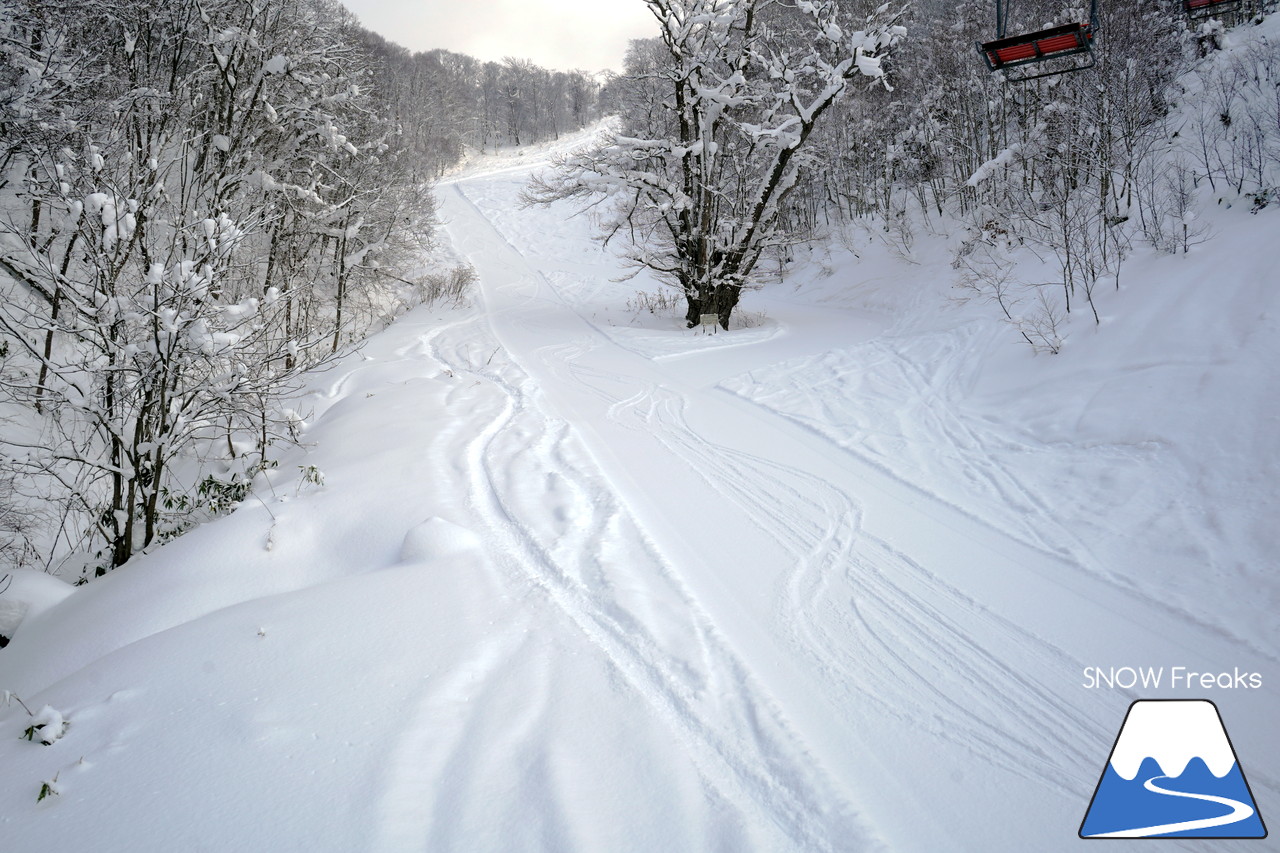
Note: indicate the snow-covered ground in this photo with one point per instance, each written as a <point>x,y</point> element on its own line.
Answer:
<point>577,578</point>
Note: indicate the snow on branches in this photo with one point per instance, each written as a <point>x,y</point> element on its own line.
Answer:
<point>196,212</point>
<point>717,111</point>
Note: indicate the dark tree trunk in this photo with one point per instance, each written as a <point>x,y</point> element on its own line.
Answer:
<point>718,299</point>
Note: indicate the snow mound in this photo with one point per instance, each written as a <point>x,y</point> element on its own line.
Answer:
<point>25,594</point>
<point>436,538</point>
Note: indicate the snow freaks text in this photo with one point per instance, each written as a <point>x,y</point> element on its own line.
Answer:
<point>1170,678</point>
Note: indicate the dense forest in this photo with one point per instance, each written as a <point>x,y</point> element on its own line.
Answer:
<point>199,201</point>
<point>1073,169</point>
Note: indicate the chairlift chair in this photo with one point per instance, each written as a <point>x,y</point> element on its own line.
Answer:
<point>1067,40</point>
<point>1197,9</point>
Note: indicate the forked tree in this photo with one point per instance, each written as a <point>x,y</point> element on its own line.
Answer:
<point>716,114</point>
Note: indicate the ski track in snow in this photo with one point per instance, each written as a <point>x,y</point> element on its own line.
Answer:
<point>672,592</point>
<point>557,526</point>
<point>927,428</point>
<point>817,525</point>
<point>860,584</point>
<point>873,625</point>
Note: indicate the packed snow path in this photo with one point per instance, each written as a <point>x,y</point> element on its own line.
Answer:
<point>919,655</point>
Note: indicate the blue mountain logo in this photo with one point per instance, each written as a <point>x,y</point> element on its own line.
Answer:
<point>1173,773</point>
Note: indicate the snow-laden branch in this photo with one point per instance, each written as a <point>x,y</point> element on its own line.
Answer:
<point>699,184</point>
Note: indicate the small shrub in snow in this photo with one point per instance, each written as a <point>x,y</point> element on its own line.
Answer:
<point>1040,326</point>
<point>663,302</point>
<point>221,496</point>
<point>749,319</point>
<point>452,287</point>
<point>311,475</point>
<point>213,497</point>
<point>47,727</point>
<point>48,789</point>
<point>1262,198</point>
<point>988,274</point>
<point>9,697</point>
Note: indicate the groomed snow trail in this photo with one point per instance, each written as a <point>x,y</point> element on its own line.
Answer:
<point>918,654</point>
<point>580,564</point>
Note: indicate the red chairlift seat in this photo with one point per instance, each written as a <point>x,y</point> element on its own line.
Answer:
<point>1207,8</point>
<point>1065,40</point>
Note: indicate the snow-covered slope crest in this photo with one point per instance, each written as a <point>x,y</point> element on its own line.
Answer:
<point>523,158</point>
<point>1172,732</point>
<point>25,593</point>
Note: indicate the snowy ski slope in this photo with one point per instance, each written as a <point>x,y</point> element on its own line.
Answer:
<point>580,579</point>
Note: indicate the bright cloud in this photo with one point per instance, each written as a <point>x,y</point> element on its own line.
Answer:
<point>561,34</point>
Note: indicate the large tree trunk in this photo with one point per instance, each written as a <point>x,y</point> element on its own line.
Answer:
<point>718,299</point>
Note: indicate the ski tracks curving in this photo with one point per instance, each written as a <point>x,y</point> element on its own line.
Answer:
<point>571,553</point>
<point>815,595</point>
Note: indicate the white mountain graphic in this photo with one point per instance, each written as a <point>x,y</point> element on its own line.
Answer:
<point>1173,733</point>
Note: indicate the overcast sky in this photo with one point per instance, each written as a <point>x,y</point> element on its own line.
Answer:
<point>558,34</point>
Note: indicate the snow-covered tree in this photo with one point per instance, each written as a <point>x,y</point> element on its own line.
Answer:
<point>191,241</point>
<point>200,199</point>
<point>696,179</point>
